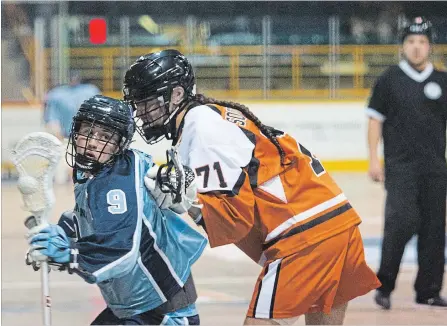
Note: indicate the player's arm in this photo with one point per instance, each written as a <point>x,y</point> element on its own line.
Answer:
<point>67,224</point>
<point>110,251</point>
<point>219,153</point>
<point>225,198</point>
<point>374,136</point>
<point>67,229</point>
<point>96,258</point>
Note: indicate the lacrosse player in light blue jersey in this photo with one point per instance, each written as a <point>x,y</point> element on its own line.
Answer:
<point>116,236</point>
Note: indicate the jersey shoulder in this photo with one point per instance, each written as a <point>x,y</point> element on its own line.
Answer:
<point>204,123</point>
<point>385,79</point>
<point>390,72</point>
<point>214,118</point>
<point>203,114</point>
<point>146,158</point>
<point>207,137</point>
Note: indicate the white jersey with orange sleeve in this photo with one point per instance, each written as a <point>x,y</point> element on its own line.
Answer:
<point>268,209</point>
<point>215,149</point>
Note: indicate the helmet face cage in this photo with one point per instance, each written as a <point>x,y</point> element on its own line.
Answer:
<point>152,117</point>
<point>148,85</point>
<point>101,130</point>
<point>85,156</point>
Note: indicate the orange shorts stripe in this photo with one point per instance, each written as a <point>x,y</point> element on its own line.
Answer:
<point>323,275</point>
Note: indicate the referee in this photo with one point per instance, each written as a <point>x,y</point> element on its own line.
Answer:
<point>408,109</point>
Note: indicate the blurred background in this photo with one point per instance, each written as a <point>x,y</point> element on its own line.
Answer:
<point>244,50</point>
<point>304,67</point>
<point>308,54</point>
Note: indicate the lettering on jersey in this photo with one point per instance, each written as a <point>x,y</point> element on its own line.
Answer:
<point>80,211</point>
<point>206,171</point>
<point>116,198</point>
<point>218,169</point>
<point>235,116</point>
<point>315,163</point>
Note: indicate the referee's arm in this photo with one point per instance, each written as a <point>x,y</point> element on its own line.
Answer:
<point>376,112</point>
<point>375,171</point>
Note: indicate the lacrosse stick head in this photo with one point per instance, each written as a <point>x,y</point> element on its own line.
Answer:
<point>173,177</point>
<point>35,157</point>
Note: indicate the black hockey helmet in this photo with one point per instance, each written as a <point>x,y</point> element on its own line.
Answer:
<point>148,85</point>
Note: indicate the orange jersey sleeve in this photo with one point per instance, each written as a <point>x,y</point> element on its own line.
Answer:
<point>228,217</point>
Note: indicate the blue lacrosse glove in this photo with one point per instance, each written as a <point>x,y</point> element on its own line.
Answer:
<point>51,242</point>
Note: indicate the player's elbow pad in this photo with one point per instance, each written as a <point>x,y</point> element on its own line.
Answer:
<point>66,222</point>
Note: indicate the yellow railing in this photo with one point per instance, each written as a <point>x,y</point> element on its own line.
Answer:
<point>296,72</point>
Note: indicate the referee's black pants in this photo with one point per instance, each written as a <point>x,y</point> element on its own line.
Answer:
<point>415,205</point>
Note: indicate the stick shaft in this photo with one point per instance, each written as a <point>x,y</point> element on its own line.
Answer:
<point>31,222</point>
<point>46,299</point>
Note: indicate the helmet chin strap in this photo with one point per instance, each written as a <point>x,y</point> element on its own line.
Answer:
<point>172,120</point>
<point>184,105</point>
<point>170,123</point>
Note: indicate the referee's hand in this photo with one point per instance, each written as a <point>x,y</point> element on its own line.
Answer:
<point>375,171</point>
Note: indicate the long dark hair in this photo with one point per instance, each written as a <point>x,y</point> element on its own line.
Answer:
<point>268,131</point>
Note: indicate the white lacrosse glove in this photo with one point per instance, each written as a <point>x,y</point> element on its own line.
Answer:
<point>30,261</point>
<point>165,200</point>
<point>34,256</point>
<point>189,198</point>
<point>36,264</point>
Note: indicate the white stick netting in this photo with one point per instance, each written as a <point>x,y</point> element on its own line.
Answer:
<point>36,157</point>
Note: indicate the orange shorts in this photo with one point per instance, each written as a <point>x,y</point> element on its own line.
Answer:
<point>326,274</point>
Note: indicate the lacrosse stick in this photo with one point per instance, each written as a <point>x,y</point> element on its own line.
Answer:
<point>173,177</point>
<point>36,157</point>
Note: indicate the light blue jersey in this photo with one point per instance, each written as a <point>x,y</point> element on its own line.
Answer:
<point>62,103</point>
<point>139,255</point>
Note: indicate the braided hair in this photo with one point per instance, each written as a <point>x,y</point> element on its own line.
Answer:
<point>268,131</point>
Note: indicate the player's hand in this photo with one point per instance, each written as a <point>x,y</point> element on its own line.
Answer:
<point>165,200</point>
<point>34,263</point>
<point>189,197</point>
<point>375,171</point>
<point>50,242</point>
<point>37,264</point>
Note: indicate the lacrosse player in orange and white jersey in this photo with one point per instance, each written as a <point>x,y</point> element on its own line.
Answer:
<point>257,188</point>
